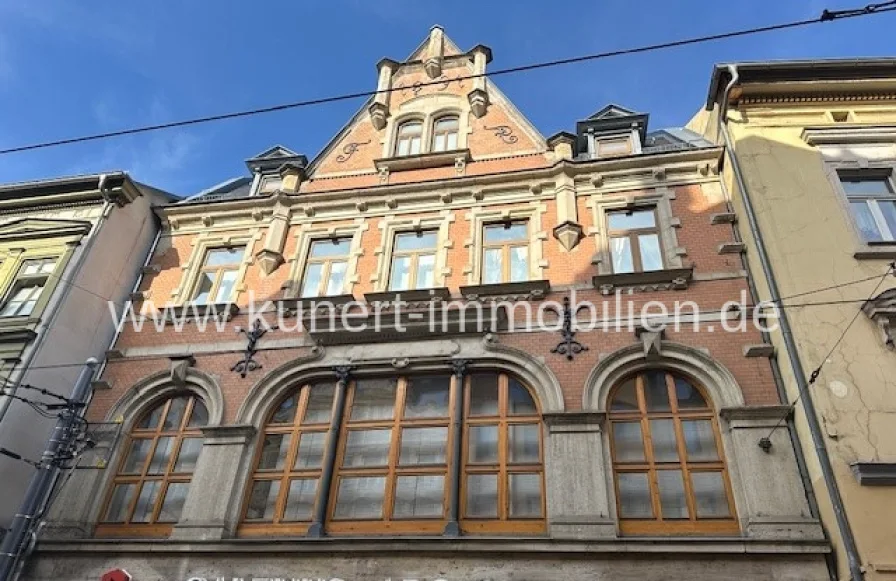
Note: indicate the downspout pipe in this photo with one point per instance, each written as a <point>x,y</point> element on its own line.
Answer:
<point>824,460</point>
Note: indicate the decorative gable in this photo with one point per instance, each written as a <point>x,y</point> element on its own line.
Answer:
<point>433,84</point>
<point>30,228</point>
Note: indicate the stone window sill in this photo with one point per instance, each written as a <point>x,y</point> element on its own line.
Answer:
<point>875,473</point>
<point>876,250</point>
<point>409,296</point>
<point>674,278</point>
<point>11,323</point>
<point>526,290</point>
<point>422,160</point>
<point>191,312</point>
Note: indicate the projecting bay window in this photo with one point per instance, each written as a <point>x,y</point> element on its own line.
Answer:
<point>634,241</point>
<point>393,464</point>
<point>218,275</point>
<point>872,202</point>
<point>325,271</point>
<point>23,296</point>
<point>505,252</point>
<point>413,261</point>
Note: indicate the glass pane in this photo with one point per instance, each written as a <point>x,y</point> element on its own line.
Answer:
<point>137,456</point>
<point>888,209</point>
<point>700,440</point>
<point>311,450</point>
<point>374,399</point>
<point>626,397</point>
<point>286,411</point>
<point>522,443</point>
<point>525,495</point>
<point>160,457</point>
<point>360,497</point>
<point>401,273</point>
<point>452,141</point>
<point>519,263</point>
<point>438,142</point>
<point>188,455</point>
<point>511,231</point>
<point>336,282</point>
<point>423,240</point>
<point>121,500</point>
<point>414,147</point>
<point>404,147</point>
<point>662,433</point>
<point>634,495</point>
<point>482,495</point>
<point>146,502</point>
<point>410,128</point>
<point>151,420</point>
<point>631,221</point>
<point>865,185</point>
<point>220,256</point>
<point>199,415</point>
<point>628,442</point>
<point>225,289</point>
<point>519,400</point>
<point>320,404</point>
<point>263,500</point>
<point>367,448</point>
<point>311,284</point>
<point>483,445</point>
<point>426,264</point>
<point>688,396</point>
<point>484,394</point>
<point>300,499</point>
<point>621,254</point>
<point>175,414</point>
<point>673,501</point>
<point>173,504</point>
<point>651,257</point>
<point>656,393</point>
<point>446,124</point>
<point>613,146</point>
<point>492,272</point>
<point>709,495</point>
<point>204,287</point>
<point>865,221</point>
<point>427,397</point>
<point>330,247</point>
<point>419,496</point>
<point>273,451</point>
<point>423,446</point>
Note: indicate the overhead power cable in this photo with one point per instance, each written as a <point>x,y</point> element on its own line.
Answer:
<point>826,16</point>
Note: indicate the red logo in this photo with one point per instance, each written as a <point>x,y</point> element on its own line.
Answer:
<point>116,575</point>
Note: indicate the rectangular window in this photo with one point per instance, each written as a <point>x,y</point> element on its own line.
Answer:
<point>505,252</point>
<point>22,297</point>
<point>217,277</point>
<point>872,202</point>
<point>613,147</point>
<point>270,184</point>
<point>326,269</point>
<point>413,261</point>
<point>634,241</point>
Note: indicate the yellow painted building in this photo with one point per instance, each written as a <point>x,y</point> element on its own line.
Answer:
<point>811,155</point>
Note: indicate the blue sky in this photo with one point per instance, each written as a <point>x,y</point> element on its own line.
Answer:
<point>69,68</point>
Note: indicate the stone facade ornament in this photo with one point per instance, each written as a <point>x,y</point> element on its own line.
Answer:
<point>569,234</point>
<point>882,310</point>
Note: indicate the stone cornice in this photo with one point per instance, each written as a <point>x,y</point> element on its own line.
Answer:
<point>839,134</point>
<point>116,188</point>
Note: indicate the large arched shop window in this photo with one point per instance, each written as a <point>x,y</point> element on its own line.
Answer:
<point>393,461</point>
<point>668,462</point>
<point>153,477</point>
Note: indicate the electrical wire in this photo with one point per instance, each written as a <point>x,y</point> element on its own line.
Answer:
<point>826,16</point>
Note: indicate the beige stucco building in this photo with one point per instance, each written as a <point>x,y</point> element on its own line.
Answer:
<point>811,150</point>
<point>68,246</point>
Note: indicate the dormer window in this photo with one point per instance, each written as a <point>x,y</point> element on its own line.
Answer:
<point>269,184</point>
<point>613,146</point>
<point>409,138</point>
<point>444,133</point>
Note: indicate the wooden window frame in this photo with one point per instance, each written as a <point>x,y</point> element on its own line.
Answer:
<point>503,468</point>
<point>152,528</point>
<point>296,429</point>
<point>218,271</point>
<point>657,525</point>
<point>399,138</point>
<point>327,262</point>
<point>436,132</point>
<point>632,234</point>
<point>505,247</point>
<point>414,255</point>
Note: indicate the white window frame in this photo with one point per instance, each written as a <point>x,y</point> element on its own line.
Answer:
<point>308,233</point>
<point>889,237</point>
<point>478,218</point>
<point>390,226</point>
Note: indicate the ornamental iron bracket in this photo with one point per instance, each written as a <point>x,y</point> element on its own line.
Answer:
<point>248,362</point>
<point>568,346</point>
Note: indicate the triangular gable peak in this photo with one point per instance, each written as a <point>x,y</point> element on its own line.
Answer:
<point>274,157</point>
<point>414,96</point>
<point>612,110</point>
<point>29,228</point>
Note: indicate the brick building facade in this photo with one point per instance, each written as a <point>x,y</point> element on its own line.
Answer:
<point>444,452</point>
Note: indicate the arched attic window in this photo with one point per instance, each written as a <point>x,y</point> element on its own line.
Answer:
<point>409,138</point>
